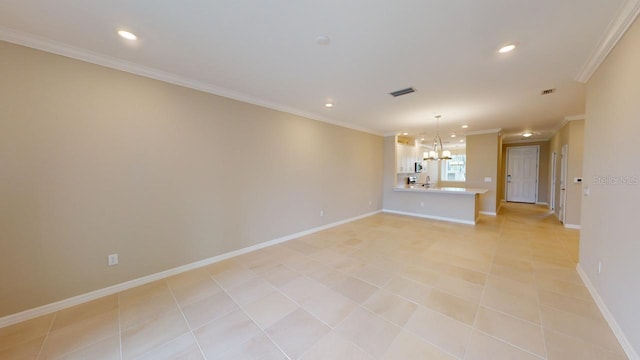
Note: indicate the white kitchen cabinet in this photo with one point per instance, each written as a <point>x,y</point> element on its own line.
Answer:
<point>406,157</point>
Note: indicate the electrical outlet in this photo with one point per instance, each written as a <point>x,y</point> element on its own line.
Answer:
<point>112,259</point>
<point>321,213</point>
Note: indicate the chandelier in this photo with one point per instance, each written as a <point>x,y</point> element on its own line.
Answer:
<point>437,152</point>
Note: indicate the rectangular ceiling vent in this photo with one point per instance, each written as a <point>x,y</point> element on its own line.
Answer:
<point>547,91</point>
<point>406,91</point>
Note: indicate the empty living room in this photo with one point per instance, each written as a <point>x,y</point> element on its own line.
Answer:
<point>319,180</point>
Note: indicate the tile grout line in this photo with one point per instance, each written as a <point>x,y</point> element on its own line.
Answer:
<point>175,300</point>
<point>55,315</point>
<point>535,276</point>
<point>484,288</point>
<point>241,307</point>
<point>544,340</point>
<point>510,344</point>
<point>332,328</point>
<point>119,327</point>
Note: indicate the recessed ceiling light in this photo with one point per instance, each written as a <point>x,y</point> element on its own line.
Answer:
<point>323,40</point>
<point>461,140</point>
<point>527,134</point>
<point>465,126</point>
<point>405,134</point>
<point>328,105</point>
<point>421,139</point>
<point>453,135</point>
<point>507,48</point>
<point>127,35</point>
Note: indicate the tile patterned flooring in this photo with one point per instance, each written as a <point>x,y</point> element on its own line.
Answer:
<point>384,287</point>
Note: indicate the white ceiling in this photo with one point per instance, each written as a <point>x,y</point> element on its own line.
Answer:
<point>265,52</point>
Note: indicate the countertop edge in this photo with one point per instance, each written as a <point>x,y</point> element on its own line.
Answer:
<point>451,190</point>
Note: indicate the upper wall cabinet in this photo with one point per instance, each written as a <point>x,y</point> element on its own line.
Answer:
<point>407,154</point>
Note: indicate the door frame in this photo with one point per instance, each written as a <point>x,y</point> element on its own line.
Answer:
<point>506,174</point>
<point>552,193</point>
<point>564,171</point>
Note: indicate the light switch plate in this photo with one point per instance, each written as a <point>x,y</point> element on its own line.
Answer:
<point>487,179</point>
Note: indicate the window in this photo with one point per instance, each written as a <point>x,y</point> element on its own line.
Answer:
<point>454,169</point>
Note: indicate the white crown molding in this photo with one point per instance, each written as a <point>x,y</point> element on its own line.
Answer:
<point>525,141</point>
<point>613,324</point>
<point>575,117</point>
<point>628,13</point>
<point>566,120</point>
<point>48,45</point>
<point>560,126</point>
<point>482,132</point>
<point>83,298</point>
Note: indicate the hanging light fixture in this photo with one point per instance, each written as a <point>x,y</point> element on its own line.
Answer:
<point>437,152</point>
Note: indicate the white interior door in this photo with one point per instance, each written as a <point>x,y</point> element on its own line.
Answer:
<point>522,174</point>
<point>564,158</point>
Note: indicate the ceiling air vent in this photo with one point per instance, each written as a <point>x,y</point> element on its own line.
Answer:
<point>547,91</point>
<point>406,91</point>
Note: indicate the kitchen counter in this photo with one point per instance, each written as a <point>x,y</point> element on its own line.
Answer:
<point>442,190</point>
<point>456,204</point>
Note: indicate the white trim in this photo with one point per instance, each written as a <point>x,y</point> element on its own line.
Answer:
<point>542,203</point>
<point>441,218</point>
<point>489,213</point>
<point>572,226</point>
<point>83,298</point>
<point>44,44</point>
<point>526,141</point>
<point>613,324</point>
<point>559,127</point>
<point>575,117</point>
<point>566,120</point>
<point>482,132</point>
<point>627,14</point>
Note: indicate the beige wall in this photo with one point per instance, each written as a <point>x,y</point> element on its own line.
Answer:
<point>571,134</point>
<point>610,230</point>
<point>96,161</point>
<point>543,169</point>
<point>483,161</point>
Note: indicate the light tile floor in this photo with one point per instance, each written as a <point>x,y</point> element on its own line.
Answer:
<point>385,287</point>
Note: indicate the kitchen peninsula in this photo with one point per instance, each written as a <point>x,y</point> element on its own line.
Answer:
<point>405,193</point>
<point>441,203</point>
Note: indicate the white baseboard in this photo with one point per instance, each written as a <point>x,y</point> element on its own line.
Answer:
<point>542,203</point>
<point>613,324</point>
<point>459,221</point>
<point>489,213</point>
<point>79,299</point>
<point>572,226</point>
